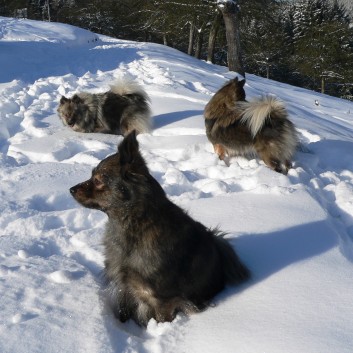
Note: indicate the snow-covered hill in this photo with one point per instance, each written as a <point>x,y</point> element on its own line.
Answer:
<point>294,232</point>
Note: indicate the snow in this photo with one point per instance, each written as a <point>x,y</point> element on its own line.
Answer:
<point>294,232</point>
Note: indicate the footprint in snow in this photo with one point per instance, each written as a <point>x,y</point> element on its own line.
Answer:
<point>65,276</point>
<point>18,317</point>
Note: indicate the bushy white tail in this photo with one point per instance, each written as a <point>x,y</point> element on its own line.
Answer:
<point>255,113</point>
<point>125,86</point>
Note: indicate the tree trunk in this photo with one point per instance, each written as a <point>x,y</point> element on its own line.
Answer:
<point>191,38</point>
<point>213,35</point>
<point>230,13</point>
<point>322,84</point>
<point>198,48</point>
<point>48,4</point>
<point>199,42</point>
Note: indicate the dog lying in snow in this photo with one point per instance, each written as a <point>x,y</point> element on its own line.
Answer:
<point>124,108</point>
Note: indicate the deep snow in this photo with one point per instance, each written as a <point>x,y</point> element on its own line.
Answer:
<point>294,232</point>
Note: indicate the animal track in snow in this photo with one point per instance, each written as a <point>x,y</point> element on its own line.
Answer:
<point>22,317</point>
<point>65,276</point>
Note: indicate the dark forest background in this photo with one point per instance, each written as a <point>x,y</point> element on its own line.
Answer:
<point>307,43</point>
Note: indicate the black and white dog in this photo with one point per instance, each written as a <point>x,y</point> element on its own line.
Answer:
<point>124,108</point>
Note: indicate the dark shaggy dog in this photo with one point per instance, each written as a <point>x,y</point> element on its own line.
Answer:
<point>237,127</point>
<point>158,260</point>
<point>122,109</point>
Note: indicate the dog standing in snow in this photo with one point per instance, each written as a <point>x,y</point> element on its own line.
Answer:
<point>124,108</point>
<point>158,260</point>
<point>237,127</point>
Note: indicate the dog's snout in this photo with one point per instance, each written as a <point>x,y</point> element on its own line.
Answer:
<point>73,190</point>
<point>70,121</point>
<point>79,188</point>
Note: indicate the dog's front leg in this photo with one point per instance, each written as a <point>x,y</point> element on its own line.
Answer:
<point>221,151</point>
<point>124,307</point>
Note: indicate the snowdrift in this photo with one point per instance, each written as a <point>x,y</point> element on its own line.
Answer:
<point>294,232</point>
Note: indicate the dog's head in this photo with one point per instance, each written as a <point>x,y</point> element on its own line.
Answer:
<point>70,110</point>
<point>234,89</point>
<point>120,182</point>
<point>223,102</point>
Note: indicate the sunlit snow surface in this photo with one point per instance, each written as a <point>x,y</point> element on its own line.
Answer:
<point>294,232</point>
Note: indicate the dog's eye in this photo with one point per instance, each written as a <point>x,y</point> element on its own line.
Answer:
<point>98,183</point>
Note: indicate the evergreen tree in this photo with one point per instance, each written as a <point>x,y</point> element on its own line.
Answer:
<point>264,39</point>
<point>302,42</point>
<point>12,7</point>
<point>322,48</point>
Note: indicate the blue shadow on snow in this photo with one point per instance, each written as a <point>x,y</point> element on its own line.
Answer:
<point>170,118</point>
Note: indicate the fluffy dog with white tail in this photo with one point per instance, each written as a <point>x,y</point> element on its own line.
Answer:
<point>237,127</point>
<point>124,108</point>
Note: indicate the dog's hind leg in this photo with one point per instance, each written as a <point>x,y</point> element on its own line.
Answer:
<point>165,312</point>
<point>276,165</point>
<point>272,156</point>
<point>288,164</point>
<point>166,309</point>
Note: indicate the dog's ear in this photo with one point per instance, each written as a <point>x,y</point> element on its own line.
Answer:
<point>130,157</point>
<point>63,100</point>
<point>76,99</point>
<point>241,83</point>
<point>131,161</point>
<point>128,149</point>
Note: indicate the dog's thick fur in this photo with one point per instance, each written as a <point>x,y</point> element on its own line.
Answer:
<point>237,127</point>
<point>158,260</point>
<point>124,108</point>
